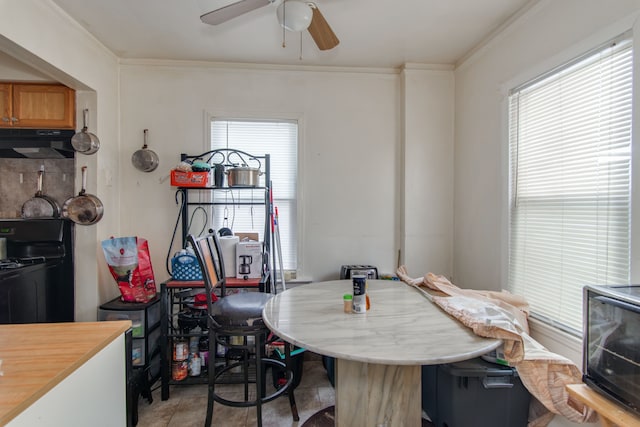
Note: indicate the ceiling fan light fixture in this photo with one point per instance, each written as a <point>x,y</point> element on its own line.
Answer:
<point>294,15</point>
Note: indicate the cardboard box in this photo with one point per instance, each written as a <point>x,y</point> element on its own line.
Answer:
<point>247,236</point>
<point>248,259</point>
<point>189,179</point>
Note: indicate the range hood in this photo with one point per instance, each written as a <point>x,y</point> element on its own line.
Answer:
<point>36,143</point>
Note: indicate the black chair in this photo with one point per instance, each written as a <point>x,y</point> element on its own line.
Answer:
<point>237,315</point>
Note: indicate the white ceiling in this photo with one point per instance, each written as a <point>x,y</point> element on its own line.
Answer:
<point>372,33</point>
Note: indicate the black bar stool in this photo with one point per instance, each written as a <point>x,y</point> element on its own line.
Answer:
<point>237,315</point>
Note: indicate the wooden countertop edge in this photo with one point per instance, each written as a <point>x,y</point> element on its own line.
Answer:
<point>118,328</point>
<point>606,408</point>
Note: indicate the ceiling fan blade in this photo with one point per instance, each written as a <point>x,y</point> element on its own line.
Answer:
<point>321,32</point>
<point>232,10</point>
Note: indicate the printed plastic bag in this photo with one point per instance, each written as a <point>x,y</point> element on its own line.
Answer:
<point>130,265</point>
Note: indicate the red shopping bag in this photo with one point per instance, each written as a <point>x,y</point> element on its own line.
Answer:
<point>130,265</point>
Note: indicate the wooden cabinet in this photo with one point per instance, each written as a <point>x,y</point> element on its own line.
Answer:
<point>5,104</point>
<point>37,105</point>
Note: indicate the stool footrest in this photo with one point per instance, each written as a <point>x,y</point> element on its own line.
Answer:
<point>265,399</point>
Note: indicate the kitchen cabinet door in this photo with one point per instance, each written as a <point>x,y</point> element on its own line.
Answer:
<point>43,106</point>
<point>5,105</point>
<point>36,105</point>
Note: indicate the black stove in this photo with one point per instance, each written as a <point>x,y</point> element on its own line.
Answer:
<point>12,264</point>
<point>37,278</point>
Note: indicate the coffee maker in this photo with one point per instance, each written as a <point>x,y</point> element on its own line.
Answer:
<point>245,264</point>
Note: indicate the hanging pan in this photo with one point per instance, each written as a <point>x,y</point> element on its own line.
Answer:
<point>145,160</point>
<point>83,209</point>
<point>84,141</point>
<point>40,205</point>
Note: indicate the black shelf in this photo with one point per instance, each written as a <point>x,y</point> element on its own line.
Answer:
<point>173,295</point>
<point>229,158</point>
<point>172,302</point>
<point>146,322</point>
<point>241,188</point>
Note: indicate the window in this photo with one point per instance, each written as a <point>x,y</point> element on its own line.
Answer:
<point>570,169</point>
<point>279,139</point>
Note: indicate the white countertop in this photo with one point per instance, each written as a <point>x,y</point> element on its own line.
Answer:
<point>401,328</point>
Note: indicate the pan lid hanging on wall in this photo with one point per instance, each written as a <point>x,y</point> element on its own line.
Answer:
<point>41,205</point>
<point>85,208</point>
<point>84,141</point>
<point>145,160</point>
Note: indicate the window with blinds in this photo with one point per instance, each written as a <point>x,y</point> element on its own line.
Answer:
<point>279,139</point>
<point>570,170</point>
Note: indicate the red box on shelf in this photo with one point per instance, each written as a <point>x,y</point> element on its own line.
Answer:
<point>189,179</point>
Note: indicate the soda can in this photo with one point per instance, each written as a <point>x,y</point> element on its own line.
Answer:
<point>359,304</point>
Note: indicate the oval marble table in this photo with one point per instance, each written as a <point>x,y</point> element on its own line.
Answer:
<point>378,354</point>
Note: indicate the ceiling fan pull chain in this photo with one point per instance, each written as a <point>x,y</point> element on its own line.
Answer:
<point>284,30</point>
<point>300,58</point>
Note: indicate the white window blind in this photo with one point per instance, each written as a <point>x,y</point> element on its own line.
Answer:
<point>570,167</point>
<point>279,139</point>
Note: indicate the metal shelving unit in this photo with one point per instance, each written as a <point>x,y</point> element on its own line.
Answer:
<point>176,295</point>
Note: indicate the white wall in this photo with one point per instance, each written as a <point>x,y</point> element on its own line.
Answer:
<point>12,69</point>
<point>37,33</point>
<point>427,170</point>
<point>551,33</point>
<point>352,187</point>
<point>349,157</point>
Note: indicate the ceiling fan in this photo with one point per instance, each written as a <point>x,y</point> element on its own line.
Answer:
<point>293,15</point>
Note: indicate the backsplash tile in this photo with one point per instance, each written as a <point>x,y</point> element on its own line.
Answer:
<point>58,182</point>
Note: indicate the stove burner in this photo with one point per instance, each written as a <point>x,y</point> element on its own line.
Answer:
<point>11,264</point>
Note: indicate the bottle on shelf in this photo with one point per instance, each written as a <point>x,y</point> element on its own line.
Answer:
<point>195,365</point>
<point>203,350</point>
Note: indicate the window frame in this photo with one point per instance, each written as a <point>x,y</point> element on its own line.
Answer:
<point>573,58</point>
<point>299,118</point>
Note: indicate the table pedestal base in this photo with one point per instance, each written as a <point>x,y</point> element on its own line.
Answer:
<point>370,394</point>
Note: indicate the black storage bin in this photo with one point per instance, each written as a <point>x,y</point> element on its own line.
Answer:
<point>280,375</point>
<point>329,364</point>
<point>474,393</point>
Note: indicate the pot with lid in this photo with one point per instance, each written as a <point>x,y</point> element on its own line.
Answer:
<point>243,176</point>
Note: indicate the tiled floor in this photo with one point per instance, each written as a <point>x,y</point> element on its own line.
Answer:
<point>187,405</point>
